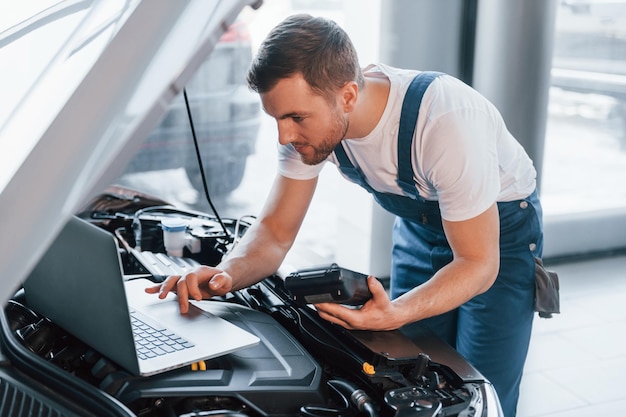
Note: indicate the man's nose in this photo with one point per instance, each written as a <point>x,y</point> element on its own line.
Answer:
<point>286,134</point>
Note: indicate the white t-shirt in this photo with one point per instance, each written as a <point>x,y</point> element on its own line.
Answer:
<point>462,154</point>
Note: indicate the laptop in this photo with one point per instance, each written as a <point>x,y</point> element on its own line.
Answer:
<point>79,285</point>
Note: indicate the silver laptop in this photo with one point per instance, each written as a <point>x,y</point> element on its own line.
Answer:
<point>79,285</point>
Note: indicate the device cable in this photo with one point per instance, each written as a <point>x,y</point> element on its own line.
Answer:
<point>200,164</point>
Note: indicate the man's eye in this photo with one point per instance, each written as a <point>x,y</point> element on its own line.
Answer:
<point>297,119</point>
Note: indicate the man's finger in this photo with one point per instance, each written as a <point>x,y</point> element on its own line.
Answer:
<point>334,319</point>
<point>168,285</point>
<point>153,290</point>
<point>375,286</point>
<point>192,286</point>
<point>183,295</point>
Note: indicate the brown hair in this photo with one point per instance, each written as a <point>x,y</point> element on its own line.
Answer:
<point>313,46</point>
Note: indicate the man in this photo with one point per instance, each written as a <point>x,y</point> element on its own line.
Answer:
<point>468,219</point>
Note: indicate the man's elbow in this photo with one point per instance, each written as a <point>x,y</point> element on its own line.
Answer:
<point>490,273</point>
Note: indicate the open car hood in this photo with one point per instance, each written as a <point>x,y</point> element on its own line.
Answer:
<point>84,82</point>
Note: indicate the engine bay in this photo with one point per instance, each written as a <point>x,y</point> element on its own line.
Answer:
<point>303,366</point>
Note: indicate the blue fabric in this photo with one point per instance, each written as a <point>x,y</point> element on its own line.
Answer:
<point>492,331</point>
<point>410,109</point>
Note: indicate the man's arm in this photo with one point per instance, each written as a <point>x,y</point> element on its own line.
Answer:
<point>475,244</point>
<point>265,245</point>
<point>258,254</point>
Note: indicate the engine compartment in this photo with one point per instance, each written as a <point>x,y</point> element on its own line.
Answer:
<point>304,366</point>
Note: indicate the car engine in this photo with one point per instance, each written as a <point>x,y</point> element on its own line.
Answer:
<point>303,366</point>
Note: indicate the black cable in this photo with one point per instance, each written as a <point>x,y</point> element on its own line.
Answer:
<point>200,164</point>
<point>136,225</point>
<point>303,330</point>
<point>346,390</point>
<point>317,411</point>
<point>357,396</point>
<point>354,400</point>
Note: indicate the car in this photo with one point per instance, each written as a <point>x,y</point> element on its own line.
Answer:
<point>89,82</point>
<point>226,117</point>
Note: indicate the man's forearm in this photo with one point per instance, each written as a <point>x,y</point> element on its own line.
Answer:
<point>450,287</point>
<point>257,256</point>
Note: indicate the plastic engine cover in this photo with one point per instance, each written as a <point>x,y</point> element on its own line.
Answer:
<point>261,376</point>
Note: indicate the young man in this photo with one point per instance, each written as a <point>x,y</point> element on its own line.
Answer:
<point>433,152</point>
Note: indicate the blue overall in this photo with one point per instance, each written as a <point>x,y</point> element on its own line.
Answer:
<point>492,330</point>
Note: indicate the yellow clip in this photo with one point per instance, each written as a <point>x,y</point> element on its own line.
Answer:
<point>368,368</point>
<point>198,366</point>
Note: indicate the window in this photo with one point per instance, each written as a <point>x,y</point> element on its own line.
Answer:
<point>584,168</point>
<point>585,155</point>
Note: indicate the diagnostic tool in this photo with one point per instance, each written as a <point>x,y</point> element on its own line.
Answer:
<point>328,284</point>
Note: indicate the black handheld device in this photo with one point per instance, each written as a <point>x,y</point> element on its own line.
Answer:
<point>328,284</point>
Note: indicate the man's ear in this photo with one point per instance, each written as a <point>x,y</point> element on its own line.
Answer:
<point>349,94</point>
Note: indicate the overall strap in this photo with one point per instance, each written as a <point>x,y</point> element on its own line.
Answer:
<point>349,170</point>
<point>408,120</point>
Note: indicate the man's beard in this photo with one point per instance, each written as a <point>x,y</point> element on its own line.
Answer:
<point>338,129</point>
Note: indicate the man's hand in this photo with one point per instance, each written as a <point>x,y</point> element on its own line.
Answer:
<point>378,313</point>
<point>202,282</point>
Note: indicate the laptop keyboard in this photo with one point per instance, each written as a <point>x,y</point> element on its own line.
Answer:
<point>152,340</point>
